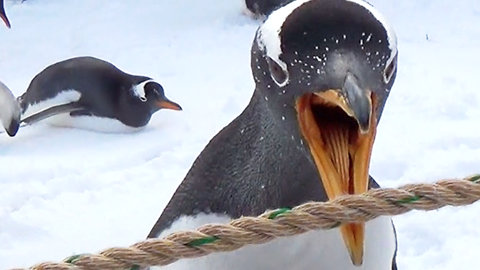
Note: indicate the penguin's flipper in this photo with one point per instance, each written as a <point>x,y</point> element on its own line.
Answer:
<point>64,108</point>
<point>81,112</point>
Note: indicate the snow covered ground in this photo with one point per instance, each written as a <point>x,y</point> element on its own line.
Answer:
<point>67,191</point>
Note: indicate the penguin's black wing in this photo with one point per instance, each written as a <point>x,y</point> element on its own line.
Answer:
<point>64,108</point>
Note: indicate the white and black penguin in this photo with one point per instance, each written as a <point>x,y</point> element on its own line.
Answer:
<point>323,71</point>
<point>90,93</point>
<point>264,7</point>
<point>9,110</point>
<point>3,15</point>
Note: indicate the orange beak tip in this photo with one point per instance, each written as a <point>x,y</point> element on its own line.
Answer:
<point>357,260</point>
<point>353,235</point>
<point>166,104</point>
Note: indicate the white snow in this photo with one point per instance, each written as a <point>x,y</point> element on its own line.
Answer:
<point>90,122</point>
<point>67,191</point>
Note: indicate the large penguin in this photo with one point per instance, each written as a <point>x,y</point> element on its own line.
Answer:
<point>323,71</point>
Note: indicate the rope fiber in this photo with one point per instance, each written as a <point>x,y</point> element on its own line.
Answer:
<point>277,223</point>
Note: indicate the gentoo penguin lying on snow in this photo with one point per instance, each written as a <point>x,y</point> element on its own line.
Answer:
<point>90,93</point>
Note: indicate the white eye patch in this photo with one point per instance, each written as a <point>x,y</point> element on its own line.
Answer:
<point>139,90</point>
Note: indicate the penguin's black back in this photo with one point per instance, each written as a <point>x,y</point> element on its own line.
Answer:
<point>105,89</point>
<point>83,74</point>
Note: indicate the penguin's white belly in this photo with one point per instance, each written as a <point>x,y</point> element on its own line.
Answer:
<point>323,250</point>
<point>94,123</point>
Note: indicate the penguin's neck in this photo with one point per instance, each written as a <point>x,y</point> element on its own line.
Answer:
<point>242,171</point>
<point>133,112</point>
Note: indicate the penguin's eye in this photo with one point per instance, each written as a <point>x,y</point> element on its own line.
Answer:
<point>143,99</point>
<point>278,74</point>
<point>390,69</point>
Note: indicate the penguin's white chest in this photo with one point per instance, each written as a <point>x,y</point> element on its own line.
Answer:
<point>323,250</point>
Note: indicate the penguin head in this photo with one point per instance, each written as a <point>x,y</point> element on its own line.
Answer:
<point>325,68</point>
<point>9,110</point>
<point>312,46</point>
<point>152,93</point>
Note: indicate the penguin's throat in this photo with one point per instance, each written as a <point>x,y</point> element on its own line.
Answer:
<point>340,150</point>
<point>338,130</point>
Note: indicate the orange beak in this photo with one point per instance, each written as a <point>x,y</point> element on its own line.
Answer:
<point>167,104</point>
<point>340,136</point>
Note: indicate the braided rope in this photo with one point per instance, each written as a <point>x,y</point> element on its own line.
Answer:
<point>277,223</point>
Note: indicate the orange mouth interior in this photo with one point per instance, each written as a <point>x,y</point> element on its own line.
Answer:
<point>341,152</point>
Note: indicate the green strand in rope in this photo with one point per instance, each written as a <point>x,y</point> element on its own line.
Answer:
<point>74,258</point>
<point>275,214</point>
<point>408,200</point>
<point>211,239</point>
<point>279,212</point>
<point>475,179</point>
<point>202,241</point>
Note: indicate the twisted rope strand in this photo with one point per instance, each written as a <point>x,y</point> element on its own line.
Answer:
<point>277,223</point>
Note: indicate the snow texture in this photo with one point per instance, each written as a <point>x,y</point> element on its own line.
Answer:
<point>68,191</point>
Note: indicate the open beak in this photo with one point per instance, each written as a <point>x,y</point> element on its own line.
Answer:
<point>167,104</point>
<point>3,15</point>
<point>339,126</point>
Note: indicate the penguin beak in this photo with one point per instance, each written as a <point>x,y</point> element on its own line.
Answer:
<point>339,126</point>
<point>167,104</point>
<point>12,128</point>
<point>3,15</point>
